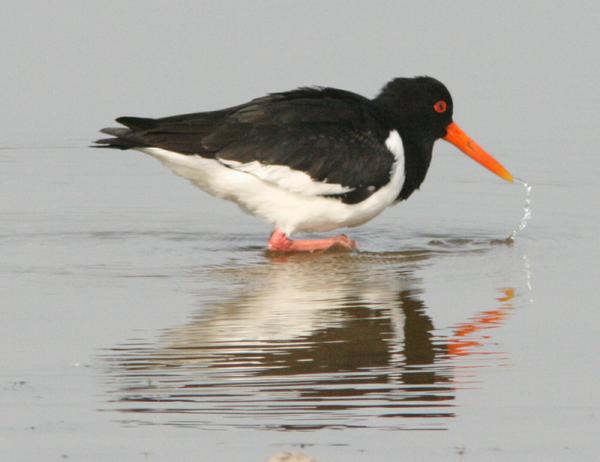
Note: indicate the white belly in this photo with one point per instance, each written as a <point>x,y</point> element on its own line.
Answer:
<point>289,211</point>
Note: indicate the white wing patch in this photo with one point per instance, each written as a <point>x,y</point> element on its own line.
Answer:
<point>287,178</point>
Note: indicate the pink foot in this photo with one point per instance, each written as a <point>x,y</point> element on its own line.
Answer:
<point>279,242</point>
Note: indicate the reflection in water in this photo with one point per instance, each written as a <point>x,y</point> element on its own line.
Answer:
<point>462,342</point>
<point>306,342</point>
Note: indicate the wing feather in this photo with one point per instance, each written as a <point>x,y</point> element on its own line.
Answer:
<point>315,141</point>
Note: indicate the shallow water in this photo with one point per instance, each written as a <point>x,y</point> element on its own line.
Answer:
<point>307,342</point>
<point>143,320</point>
<point>137,320</point>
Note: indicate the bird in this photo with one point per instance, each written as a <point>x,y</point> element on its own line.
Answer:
<point>312,159</point>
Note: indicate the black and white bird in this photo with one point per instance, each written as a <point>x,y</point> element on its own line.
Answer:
<point>312,159</point>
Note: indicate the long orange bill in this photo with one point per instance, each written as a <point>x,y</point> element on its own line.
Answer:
<point>461,140</point>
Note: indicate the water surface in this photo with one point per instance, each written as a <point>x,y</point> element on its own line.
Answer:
<point>142,321</point>
<point>310,342</point>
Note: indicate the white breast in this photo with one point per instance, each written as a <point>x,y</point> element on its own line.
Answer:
<point>288,209</point>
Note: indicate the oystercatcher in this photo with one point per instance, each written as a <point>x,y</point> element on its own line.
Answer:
<point>310,159</point>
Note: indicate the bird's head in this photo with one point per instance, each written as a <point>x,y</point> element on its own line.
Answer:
<point>422,108</point>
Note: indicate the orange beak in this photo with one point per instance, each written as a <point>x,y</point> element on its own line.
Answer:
<point>461,140</point>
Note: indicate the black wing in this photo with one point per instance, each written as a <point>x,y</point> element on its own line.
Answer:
<point>335,137</point>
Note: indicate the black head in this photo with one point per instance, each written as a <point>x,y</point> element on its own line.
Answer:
<point>421,110</point>
<point>421,106</point>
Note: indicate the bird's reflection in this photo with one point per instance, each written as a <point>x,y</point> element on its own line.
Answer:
<point>305,342</point>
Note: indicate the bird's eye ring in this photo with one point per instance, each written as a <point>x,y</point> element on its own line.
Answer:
<point>440,106</point>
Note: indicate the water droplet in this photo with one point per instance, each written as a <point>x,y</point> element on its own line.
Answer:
<point>526,210</point>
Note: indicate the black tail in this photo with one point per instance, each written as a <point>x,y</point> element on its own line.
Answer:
<point>125,138</point>
<point>138,123</point>
<point>184,134</point>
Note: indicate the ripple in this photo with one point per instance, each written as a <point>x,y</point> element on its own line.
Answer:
<point>305,342</point>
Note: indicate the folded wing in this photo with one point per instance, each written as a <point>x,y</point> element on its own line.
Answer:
<point>311,141</point>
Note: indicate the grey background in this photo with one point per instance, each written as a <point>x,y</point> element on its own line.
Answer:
<point>70,66</point>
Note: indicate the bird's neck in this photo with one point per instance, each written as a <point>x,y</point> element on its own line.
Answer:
<point>417,157</point>
<point>417,143</point>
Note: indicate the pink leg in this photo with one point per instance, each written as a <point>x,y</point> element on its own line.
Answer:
<point>279,242</point>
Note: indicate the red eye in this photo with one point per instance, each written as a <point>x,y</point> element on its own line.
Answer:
<point>440,106</point>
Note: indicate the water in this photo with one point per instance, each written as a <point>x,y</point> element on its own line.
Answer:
<point>526,210</point>
<point>143,320</point>
<point>308,342</point>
